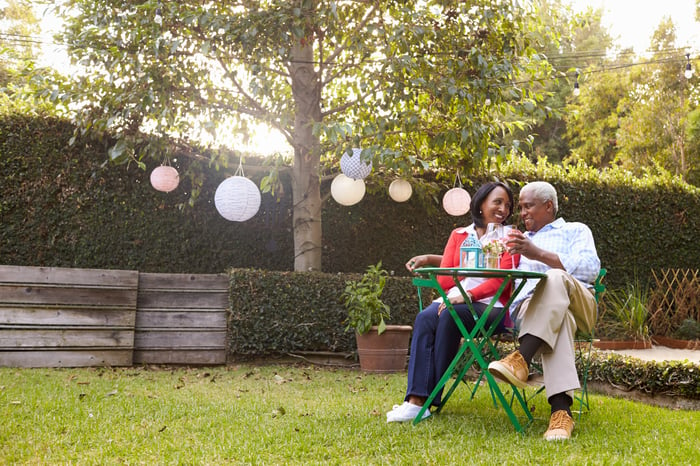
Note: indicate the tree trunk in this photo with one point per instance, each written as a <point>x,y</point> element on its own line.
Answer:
<point>306,184</point>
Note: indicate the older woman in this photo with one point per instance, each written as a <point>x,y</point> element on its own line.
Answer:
<point>436,337</point>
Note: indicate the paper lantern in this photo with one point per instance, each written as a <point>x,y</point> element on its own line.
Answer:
<point>353,167</point>
<point>164,178</point>
<point>400,190</point>
<point>237,199</point>
<point>347,191</point>
<point>456,201</point>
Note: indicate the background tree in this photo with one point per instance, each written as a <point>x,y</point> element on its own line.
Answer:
<point>652,132</point>
<point>581,42</point>
<point>18,38</point>
<point>407,81</point>
<point>593,118</point>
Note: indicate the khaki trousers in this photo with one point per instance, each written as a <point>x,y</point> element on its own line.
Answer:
<point>559,305</point>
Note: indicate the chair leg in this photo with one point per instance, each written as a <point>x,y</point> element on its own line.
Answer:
<point>583,352</point>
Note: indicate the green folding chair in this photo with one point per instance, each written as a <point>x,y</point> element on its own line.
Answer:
<point>584,346</point>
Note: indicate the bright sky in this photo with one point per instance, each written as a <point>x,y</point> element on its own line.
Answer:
<point>632,22</point>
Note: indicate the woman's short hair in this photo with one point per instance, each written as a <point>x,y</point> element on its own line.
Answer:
<point>480,196</point>
<point>542,191</point>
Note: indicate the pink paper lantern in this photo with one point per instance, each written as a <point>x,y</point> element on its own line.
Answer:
<point>164,178</point>
<point>456,202</point>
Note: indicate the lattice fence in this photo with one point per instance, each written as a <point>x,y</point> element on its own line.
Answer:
<point>674,298</point>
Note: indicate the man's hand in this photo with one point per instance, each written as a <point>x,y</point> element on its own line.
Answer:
<point>518,243</point>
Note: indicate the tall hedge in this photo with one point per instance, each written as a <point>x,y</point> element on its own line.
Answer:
<point>62,205</point>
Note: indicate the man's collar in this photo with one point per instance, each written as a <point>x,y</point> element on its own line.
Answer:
<point>557,223</point>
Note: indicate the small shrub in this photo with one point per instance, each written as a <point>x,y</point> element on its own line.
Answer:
<point>688,330</point>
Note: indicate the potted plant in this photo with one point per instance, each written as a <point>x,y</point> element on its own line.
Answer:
<point>381,347</point>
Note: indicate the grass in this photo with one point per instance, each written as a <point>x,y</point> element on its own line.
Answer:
<point>244,414</point>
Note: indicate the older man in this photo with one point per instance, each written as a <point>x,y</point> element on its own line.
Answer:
<point>548,312</point>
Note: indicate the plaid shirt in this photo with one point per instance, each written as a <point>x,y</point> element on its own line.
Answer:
<point>574,244</point>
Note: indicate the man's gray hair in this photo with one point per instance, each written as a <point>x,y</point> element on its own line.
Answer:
<point>542,191</point>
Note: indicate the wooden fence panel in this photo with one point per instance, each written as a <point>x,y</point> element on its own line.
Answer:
<point>181,319</point>
<point>65,317</point>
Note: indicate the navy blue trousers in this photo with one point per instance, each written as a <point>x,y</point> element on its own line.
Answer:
<point>435,343</point>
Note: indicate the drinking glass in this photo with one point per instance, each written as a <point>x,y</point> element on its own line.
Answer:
<point>507,229</point>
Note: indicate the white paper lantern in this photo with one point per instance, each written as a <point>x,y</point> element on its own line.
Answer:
<point>456,201</point>
<point>164,178</point>
<point>347,191</point>
<point>353,167</point>
<point>237,199</point>
<point>400,190</point>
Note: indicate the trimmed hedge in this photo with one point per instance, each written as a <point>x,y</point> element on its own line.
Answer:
<point>276,313</point>
<point>674,378</point>
<point>61,205</point>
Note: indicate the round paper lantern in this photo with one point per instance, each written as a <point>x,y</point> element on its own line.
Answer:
<point>237,199</point>
<point>400,190</point>
<point>347,191</point>
<point>353,167</point>
<point>164,178</point>
<point>456,201</point>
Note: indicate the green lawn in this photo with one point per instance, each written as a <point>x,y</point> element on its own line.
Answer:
<point>301,415</point>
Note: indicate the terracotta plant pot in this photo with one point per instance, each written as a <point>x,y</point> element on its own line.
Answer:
<point>622,344</point>
<point>386,352</point>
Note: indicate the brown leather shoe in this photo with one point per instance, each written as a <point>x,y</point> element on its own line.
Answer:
<point>511,369</point>
<point>560,426</point>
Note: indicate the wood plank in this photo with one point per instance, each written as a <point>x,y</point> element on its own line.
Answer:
<point>11,338</point>
<point>50,296</point>
<point>150,319</point>
<point>86,358</point>
<point>182,299</point>
<point>69,276</point>
<point>174,356</point>
<point>67,316</point>
<point>179,339</point>
<point>169,281</point>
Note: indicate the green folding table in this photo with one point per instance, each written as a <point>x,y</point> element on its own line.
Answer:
<point>480,337</point>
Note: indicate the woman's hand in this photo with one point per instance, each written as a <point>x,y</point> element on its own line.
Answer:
<point>416,262</point>
<point>454,300</point>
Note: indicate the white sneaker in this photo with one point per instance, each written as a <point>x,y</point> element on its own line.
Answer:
<point>405,413</point>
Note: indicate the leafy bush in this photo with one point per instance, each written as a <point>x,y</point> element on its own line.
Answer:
<point>362,299</point>
<point>628,313</point>
<point>672,378</point>
<point>688,330</point>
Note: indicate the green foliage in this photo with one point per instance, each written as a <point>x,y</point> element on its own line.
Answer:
<point>406,81</point>
<point>629,308</point>
<point>688,330</point>
<point>654,378</point>
<point>362,299</point>
<point>285,312</point>
<point>61,206</point>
